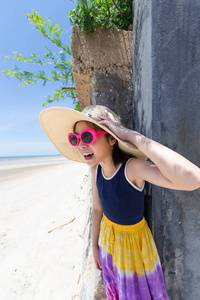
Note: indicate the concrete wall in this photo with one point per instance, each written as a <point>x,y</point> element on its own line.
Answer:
<point>166,69</point>
<point>104,51</point>
<point>109,90</point>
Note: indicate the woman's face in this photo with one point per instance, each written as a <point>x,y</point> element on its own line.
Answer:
<point>96,153</point>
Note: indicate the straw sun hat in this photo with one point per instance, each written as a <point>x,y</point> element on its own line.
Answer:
<point>57,122</point>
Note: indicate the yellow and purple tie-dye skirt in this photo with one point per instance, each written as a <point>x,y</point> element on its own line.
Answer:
<point>130,262</point>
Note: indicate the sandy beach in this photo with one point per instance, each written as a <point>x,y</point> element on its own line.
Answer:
<point>43,207</point>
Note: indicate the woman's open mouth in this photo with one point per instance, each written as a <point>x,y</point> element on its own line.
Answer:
<point>88,156</point>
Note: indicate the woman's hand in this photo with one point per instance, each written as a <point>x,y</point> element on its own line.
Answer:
<point>113,123</point>
<point>96,257</point>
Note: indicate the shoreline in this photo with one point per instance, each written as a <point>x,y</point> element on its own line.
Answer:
<point>18,162</point>
<point>11,168</point>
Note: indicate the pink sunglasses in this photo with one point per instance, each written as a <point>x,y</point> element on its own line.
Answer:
<point>87,136</point>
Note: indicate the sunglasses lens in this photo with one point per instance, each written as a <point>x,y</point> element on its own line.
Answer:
<point>87,137</point>
<point>73,140</point>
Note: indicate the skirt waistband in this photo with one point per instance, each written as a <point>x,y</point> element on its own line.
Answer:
<point>120,227</point>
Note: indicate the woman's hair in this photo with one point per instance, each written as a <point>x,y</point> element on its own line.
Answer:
<point>118,155</point>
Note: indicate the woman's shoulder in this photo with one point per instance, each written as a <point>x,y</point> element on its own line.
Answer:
<point>135,163</point>
<point>133,169</point>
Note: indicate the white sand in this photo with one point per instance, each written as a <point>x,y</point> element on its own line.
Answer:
<point>35,264</point>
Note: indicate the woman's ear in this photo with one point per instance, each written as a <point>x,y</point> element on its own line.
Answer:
<point>112,140</point>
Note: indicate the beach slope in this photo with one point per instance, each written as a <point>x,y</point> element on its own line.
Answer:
<point>41,219</point>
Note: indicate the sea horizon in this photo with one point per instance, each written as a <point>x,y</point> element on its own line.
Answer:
<point>29,156</point>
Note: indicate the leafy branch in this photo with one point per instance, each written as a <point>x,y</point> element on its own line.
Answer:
<point>52,31</point>
<point>118,8</point>
<point>61,67</point>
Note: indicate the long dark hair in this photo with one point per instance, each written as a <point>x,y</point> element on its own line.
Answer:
<point>118,155</point>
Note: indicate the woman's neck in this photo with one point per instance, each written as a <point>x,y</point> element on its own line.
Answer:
<point>109,168</point>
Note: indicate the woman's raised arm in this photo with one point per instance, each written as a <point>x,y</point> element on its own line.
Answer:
<point>169,169</point>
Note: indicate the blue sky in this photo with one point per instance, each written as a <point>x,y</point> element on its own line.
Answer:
<point>20,130</point>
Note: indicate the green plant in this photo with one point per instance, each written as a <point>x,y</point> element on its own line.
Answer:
<point>61,68</point>
<point>90,14</point>
<point>87,16</point>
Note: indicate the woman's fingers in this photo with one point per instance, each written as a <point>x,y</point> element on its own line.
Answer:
<point>96,258</point>
<point>112,117</point>
<point>109,117</point>
<point>103,117</point>
<point>98,265</point>
<point>113,123</point>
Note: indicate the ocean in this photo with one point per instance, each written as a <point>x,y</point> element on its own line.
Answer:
<point>10,167</point>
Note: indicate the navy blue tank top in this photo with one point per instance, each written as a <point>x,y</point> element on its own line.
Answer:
<point>121,200</point>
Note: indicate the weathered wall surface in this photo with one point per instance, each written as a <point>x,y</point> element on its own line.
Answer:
<point>109,90</point>
<point>166,51</point>
<point>142,82</point>
<point>104,51</point>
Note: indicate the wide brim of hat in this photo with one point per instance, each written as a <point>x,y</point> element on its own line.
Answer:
<point>57,122</point>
